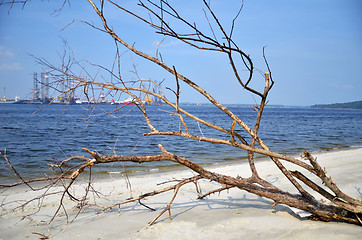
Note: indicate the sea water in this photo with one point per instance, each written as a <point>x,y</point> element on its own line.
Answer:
<point>35,138</point>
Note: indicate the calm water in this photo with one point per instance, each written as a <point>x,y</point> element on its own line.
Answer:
<point>34,139</point>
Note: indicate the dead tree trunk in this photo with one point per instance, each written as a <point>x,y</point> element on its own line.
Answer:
<point>341,206</point>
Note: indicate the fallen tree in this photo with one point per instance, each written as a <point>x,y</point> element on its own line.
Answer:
<point>166,21</point>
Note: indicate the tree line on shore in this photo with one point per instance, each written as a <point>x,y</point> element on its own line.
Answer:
<point>349,105</point>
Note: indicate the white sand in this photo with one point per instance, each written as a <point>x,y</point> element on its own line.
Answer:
<point>234,214</point>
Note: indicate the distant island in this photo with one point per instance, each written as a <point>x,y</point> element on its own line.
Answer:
<point>350,105</point>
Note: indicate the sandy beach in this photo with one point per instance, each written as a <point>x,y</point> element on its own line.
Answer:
<point>233,214</point>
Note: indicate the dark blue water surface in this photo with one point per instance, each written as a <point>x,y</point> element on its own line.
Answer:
<point>33,140</point>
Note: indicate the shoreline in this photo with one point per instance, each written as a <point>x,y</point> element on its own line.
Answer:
<point>229,215</point>
<point>116,174</point>
<point>235,162</point>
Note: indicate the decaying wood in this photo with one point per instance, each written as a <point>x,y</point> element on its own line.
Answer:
<point>340,206</point>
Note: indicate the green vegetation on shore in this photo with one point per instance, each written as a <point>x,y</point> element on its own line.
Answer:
<point>350,105</point>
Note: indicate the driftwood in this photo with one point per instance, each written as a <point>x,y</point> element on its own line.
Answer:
<point>340,207</point>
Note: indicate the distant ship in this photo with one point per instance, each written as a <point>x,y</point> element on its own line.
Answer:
<point>17,100</point>
<point>130,101</point>
<point>4,100</point>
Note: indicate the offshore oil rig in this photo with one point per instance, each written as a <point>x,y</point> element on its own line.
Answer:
<point>152,100</point>
<point>40,94</point>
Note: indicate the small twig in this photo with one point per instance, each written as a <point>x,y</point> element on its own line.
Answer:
<point>168,207</point>
<point>177,102</point>
<point>215,191</point>
<point>139,201</point>
<point>200,129</point>
<point>232,131</point>
<point>16,172</point>
<point>43,236</point>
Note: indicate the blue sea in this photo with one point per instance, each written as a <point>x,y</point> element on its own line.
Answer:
<point>33,139</point>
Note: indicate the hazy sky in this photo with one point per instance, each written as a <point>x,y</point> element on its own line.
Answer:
<point>314,47</point>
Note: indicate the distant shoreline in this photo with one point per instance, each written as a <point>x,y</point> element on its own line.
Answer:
<point>348,105</point>
<point>357,105</point>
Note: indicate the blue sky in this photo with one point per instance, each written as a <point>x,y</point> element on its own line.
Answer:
<point>314,48</point>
